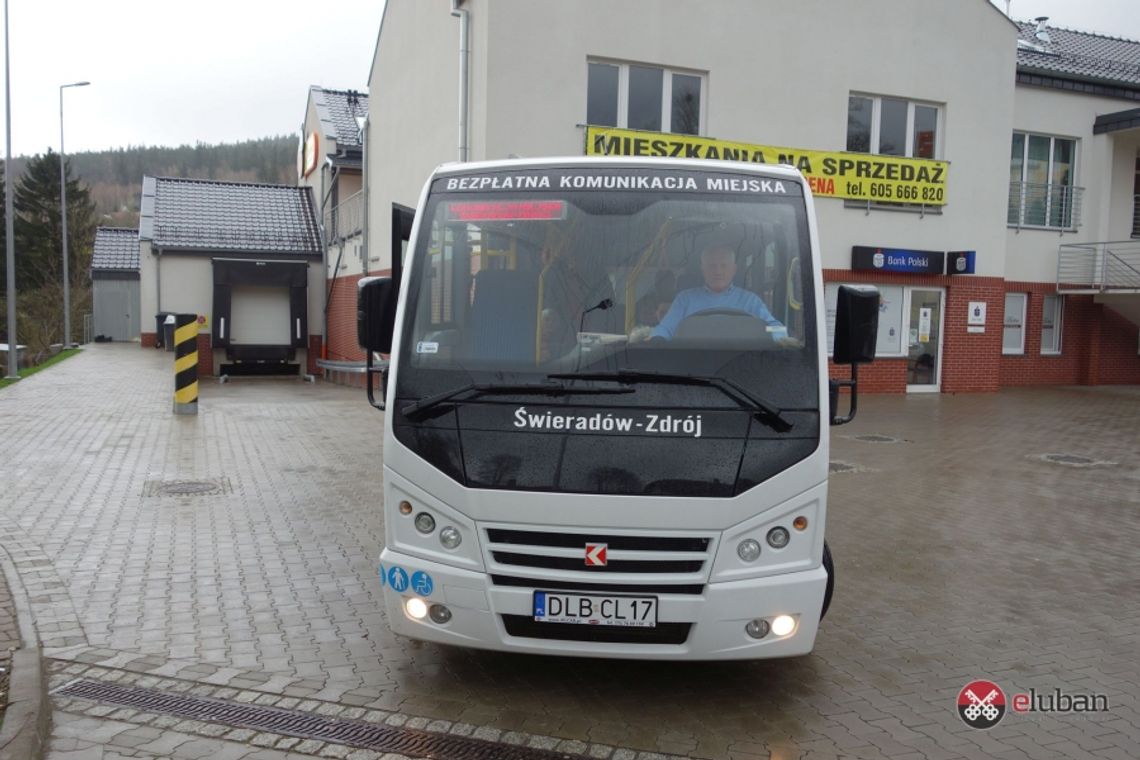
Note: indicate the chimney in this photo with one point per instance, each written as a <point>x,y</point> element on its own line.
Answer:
<point>1042,33</point>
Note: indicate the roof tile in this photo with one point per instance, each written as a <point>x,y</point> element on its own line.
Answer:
<point>116,248</point>
<point>1083,55</point>
<point>198,214</point>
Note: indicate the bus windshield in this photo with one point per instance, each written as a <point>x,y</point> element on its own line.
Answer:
<point>526,274</point>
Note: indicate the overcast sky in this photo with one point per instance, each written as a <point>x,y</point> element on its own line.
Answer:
<point>166,73</point>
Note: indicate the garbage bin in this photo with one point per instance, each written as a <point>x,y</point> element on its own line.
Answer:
<point>164,330</point>
<point>168,332</point>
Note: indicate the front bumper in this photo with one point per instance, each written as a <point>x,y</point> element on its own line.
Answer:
<point>717,615</point>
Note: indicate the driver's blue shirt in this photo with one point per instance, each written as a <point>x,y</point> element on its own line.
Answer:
<point>695,300</point>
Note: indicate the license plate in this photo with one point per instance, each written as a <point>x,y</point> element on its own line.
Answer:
<point>587,609</point>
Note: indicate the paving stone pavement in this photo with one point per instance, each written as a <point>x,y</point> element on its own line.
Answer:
<point>961,554</point>
<point>9,640</point>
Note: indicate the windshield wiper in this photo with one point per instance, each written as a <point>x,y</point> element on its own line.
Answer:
<point>492,389</point>
<point>764,410</point>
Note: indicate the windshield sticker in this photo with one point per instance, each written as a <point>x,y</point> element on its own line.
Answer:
<point>661,424</point>
<point>691,182</point>
<point>427,347</point>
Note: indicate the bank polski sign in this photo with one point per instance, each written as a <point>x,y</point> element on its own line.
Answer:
<point>902,260</point>
<point>831,174</point>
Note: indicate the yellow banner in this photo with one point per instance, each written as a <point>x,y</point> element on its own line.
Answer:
<point>832,174</point>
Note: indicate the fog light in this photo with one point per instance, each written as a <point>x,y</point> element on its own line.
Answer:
<point>757,629</point>
<point>450,537</point>
<point>800,523</point>
<point>405,507</point>
<point>778,538</point>
<point>416,608</point>
<point>748,550</point>
<point>439,613</point>
<point>782,625</point>
<point>425,523</point>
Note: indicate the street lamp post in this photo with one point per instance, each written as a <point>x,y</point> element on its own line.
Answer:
<point>63,214</point>
<point>13,359</point>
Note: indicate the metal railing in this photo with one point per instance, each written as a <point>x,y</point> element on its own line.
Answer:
<point>1136,216</point>
<point>1032,204</point>
<point>345,219</point>
<point>1111,267</point>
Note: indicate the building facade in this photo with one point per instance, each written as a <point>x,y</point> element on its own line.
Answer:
<point>953,153</point>
<point>245,258</point>
<point>331,163</point>
<point>115,284</point>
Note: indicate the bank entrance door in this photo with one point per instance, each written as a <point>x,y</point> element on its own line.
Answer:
<point>924,341</point>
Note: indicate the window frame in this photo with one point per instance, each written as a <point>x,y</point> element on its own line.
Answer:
<point>1072,221</point>
<point>1058,323</point>
<point>911,103</point>
<point>667,73</point>
<point>1020,351</point>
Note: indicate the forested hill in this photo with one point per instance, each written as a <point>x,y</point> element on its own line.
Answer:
<point>115,176</point>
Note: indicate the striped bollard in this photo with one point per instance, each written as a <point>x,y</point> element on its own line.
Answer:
<point>186,364</point>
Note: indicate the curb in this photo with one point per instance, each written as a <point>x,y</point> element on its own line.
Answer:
<point>27,721</point>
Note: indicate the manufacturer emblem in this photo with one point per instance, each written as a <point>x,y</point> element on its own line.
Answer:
<point>596,555</point>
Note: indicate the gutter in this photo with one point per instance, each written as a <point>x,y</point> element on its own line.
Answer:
<point>464,54</point>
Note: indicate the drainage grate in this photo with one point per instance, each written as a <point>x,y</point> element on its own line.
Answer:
<point>876,438</point>
<point>187,487</point>
<point>1073,460</point>
<point>353,733</point>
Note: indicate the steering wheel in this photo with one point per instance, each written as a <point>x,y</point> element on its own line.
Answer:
<point>718,325</point>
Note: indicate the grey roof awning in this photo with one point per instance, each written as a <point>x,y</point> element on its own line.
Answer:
<point>116,249</point>
<point>1114,122</point>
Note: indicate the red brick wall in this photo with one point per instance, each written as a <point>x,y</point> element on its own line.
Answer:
<point>970,361</point>
<point>342,344</point>
<point>312,355</point>
<point>205,356</point>
<point>1118,362</point>
<point>1098,346</point>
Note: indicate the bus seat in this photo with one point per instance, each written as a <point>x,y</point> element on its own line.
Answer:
<point>503,313</point>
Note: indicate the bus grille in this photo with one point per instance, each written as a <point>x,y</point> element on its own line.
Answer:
<point>665,633</point>
<point>631,559</point>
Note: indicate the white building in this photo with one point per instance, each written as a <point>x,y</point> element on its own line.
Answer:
<point>904,127</point>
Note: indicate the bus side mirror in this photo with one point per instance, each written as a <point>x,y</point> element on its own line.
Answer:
<point>856,324</point>
<point>856,333</point>
<point>375,313</point>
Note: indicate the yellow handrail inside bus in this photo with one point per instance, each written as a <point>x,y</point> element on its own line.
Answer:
<point>631,281</point>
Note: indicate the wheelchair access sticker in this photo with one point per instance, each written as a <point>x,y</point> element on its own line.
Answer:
<point>397,577</point>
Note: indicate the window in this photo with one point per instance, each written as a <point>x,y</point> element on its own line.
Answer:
<point>1052,310</point>
<point>892,127</point>
<point>1013,325</point>
<point>890,340</point>
<point>644,97</point>
<point>1041,192</point>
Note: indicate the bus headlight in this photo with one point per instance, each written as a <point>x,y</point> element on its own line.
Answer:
<point>425,523</point>
<point>782,625</point>
<point>748,550</point>
<point>450,537</point>
<point>416,608</point>
<point>778,538</point>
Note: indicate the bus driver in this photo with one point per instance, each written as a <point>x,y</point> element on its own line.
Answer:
<point>718,265</point>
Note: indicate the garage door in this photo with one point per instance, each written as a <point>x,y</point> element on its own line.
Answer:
<point>260,316</point>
